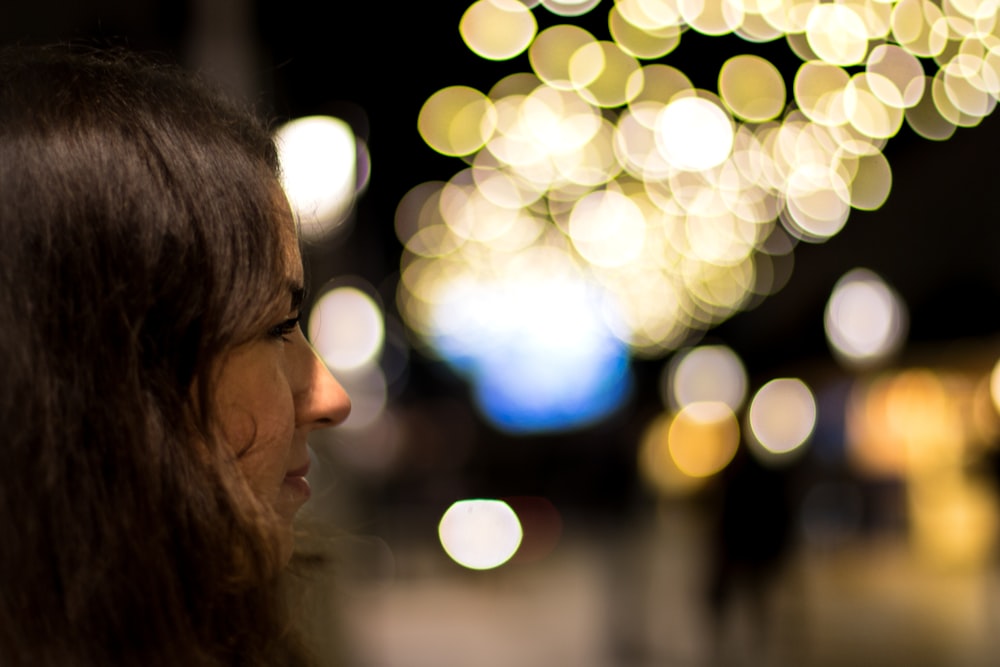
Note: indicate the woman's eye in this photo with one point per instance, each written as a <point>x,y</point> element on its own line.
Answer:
<point>284,329</point>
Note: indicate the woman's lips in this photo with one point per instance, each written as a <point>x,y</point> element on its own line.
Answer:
<point>296,482</point>
<point>301,471</point>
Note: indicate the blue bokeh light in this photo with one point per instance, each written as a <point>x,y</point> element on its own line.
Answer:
<point>539,360</point>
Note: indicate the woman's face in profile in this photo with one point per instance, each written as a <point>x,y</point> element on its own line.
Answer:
<point>273,390</point>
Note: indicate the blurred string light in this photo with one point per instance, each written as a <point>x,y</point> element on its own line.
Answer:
<point>480,534</point>
<point>319,167</point>
<point>676,206</point>
<point>865,319</point>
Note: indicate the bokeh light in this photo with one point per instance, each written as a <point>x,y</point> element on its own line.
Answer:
<point>752,88</point>
<point>480,534</point>
<point>318,158</point>
<point>895,75</point>
<point>837,34</point>
<point>569,7</point>
<point>607,228</point>
<point>865,319</point>
<point>904,423</point>
<point>346,328</point>
<point>551,53</point>
<point>782,415</point>
<point>703,438</point>
<point>456,121</point>
<point>658,467</point>
<point>497,29</point>
<point>653,43</point>
<point>694,133</point>
<point>706,373</point>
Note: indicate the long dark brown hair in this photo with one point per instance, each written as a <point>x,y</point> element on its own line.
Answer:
<point>137,242</point>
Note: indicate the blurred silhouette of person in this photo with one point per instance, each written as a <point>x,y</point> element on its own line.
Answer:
<point>750,539</point>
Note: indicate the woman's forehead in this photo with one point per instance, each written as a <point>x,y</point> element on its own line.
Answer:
<point>288,233</point>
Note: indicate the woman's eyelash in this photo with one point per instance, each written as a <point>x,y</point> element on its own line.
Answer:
<point>285,328</point>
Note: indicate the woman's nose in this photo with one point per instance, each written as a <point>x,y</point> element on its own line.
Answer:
<point>322,402</point>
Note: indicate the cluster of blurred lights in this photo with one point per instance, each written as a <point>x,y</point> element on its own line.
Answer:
<point>677,202</point>
<point>677,206</point>
<point>704,388</point>
<point>927,428</point>
<point>917,425</point>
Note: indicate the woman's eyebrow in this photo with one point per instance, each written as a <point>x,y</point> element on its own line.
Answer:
<point>298,294</point>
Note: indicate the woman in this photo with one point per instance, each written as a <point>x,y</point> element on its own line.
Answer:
<point>157,389</point>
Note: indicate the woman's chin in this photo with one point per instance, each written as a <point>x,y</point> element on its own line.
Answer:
<point>293,495</point>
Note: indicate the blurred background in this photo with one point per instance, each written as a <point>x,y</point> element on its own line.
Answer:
<point>671,326</point>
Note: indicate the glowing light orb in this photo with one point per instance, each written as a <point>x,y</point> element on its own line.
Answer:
<point>603,74</point>
<point>551,52</point>
<point>712,17</point>
<point>707,373</point>
<point>837,34</point>
<point>346,328</point>
<point>865,319</point>
<point>872,182</point>
<point>703,438</point>
<point>752,88</point>
<point>782,415</point>
<point>607,228</point>
<point>569,7</point>
<point>819,91</point>
<point>456,120</point>
<point>694,134</point>
<point>641,43</point>
<point>867,113</point>
<point>480,534</point>
<point>650,15</point>
<point>497,29</point>
<point>927,120</point>
<point>895,75</point>
<point>318,159</point>
<point>536,350</point>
